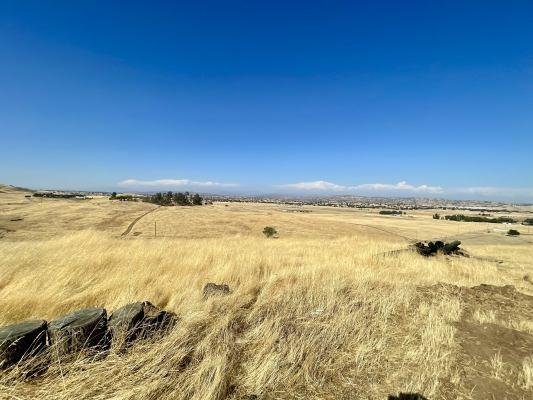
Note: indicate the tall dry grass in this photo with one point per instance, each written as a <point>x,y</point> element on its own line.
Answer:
<point>307,318</point>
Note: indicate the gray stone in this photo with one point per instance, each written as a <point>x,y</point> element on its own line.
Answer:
<point>452,247</point>
<point>78,331</point>
<point>20,341</point>
<point>212,289</point>
<point>139,320</point>
<point>431,249</point>
<point>407,396</point>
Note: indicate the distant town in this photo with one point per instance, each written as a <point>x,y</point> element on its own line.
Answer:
<point>342,201</point>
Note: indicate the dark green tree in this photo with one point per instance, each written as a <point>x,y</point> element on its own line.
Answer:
<point>158,198</point>
<point>197,200</point>
<point>168,199</point>
<point>181,199</point>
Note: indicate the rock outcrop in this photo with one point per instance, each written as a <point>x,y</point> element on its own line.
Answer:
<point>138,320</point>
<point>88,329</point>
<point>79,330</point>
<point>432,248</point>
<point>20,341</point>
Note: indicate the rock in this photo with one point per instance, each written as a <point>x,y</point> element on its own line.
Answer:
<point>212,289</point>
<point>451,247</point>
<point>433,248</point>
<point>425,250</point>
<point>139,320</point>
<point>20,341</point>
<point>80,330</point>
<point>407,396</point>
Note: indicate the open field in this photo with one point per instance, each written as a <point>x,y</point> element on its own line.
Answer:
<point>318,313</point>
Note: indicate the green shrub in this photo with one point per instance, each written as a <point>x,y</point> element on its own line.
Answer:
<point>513,232</point>
<point>269,231</point>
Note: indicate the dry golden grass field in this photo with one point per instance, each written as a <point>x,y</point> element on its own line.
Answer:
<point>321,312</point>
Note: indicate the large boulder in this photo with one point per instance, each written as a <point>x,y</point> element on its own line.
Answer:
<point>20,341</point>
<point>212,289</point>
<point>138,320</point>
<point>433,248</point>
<point>79,330</point>
<point>452,247</point>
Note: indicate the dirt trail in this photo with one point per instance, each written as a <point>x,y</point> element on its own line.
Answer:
<point>132,224</point>
<point>409,239</point>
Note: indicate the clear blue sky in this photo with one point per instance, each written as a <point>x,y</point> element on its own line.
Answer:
<point>296,97</point>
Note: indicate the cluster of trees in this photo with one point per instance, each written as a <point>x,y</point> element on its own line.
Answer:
<point>474,218</point>
<point>175,199</point>
<point>122,197</point>
<point>390,212</point>
<point>57,195</point>
<point>528,221</point>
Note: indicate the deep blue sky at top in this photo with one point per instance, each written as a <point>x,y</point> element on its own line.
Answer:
<point>266,93</point>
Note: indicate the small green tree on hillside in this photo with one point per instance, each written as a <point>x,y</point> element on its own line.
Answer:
<point>436,216</point>
<point>513,232</point>
<point>269,231</point>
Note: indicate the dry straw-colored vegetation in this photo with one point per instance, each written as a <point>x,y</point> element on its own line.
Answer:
<point>319,313</point>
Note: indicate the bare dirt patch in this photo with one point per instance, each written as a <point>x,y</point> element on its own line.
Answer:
<point>492,358</point>
<point>492,353</point>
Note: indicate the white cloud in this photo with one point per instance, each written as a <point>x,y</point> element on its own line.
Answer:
<point>403,185</point>
<point>129,183</point>
<point>317,185</point>
<point>376,187</point>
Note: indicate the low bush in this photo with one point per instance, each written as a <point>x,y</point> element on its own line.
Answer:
<point>269,231</point>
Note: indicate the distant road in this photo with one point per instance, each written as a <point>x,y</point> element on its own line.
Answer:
<point>132,224</point>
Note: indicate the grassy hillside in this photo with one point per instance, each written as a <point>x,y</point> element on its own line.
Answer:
<point>318,313</point>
